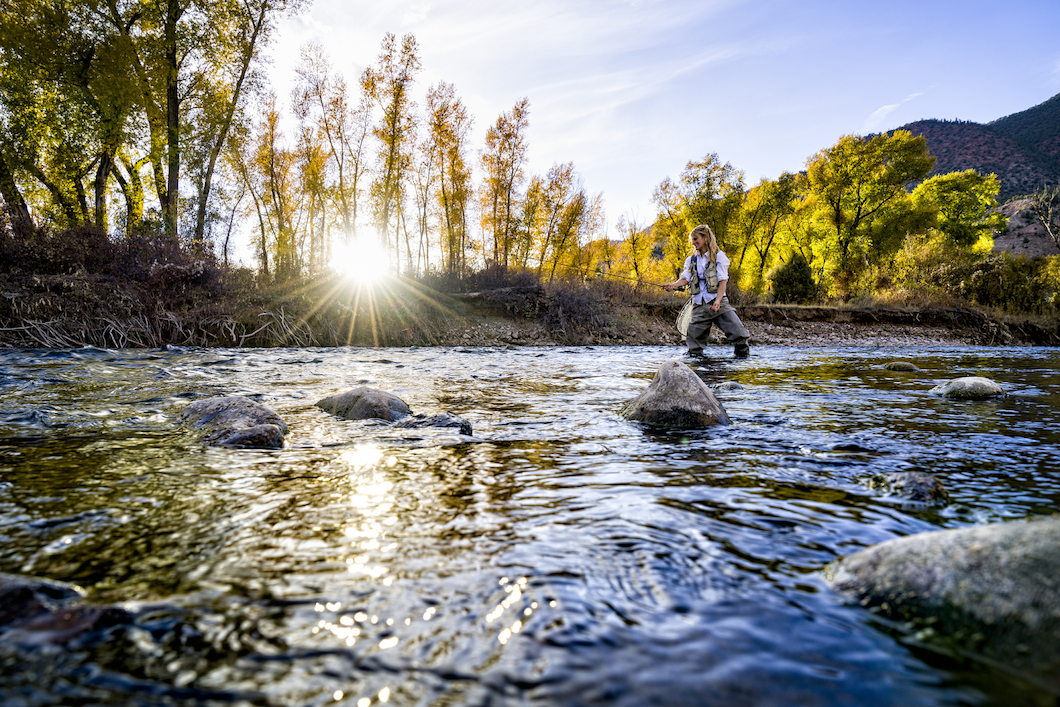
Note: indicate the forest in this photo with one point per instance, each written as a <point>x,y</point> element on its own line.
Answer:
<point>148,132</point>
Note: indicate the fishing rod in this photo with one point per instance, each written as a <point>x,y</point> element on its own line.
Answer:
<point>620,277</point>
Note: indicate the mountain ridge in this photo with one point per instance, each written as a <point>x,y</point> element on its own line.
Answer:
<point>1022,149</point>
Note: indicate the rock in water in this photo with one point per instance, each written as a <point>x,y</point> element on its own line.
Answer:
<point>676,398</point>
<point>992,590</point>
<point>901,366</point>
<point>236,421</point>
<point>914,486</point>
<point>442,419</point>
<point>35,612</point>
<point>972,388</point>
<point>365,403</point>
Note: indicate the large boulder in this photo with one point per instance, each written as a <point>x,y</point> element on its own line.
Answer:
<point>676,398</point>
<point>970,388</point>
<point>235,421</point>
<point>992,590</point>
<point>442,419</point>
<point>365,403</point>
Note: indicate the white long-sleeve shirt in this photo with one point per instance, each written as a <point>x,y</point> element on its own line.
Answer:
<point>703,261</point>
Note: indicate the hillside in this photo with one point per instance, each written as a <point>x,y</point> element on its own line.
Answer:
<point>1036,129</point>
<point>1022,149</point>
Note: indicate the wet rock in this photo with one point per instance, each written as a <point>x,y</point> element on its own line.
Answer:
<point>901,366</point>
<point>442,419</point>
<point>365,403</point>
<point>23,598</point>
<point>727,387</point>
<point>36,612</point>
<point>913,486</point>
<point>970,388</point>
<point>676,398</point>
<point>993,590</point>
<point>235,421</point>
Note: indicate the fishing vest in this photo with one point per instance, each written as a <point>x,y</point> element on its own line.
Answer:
<point>711,273</point>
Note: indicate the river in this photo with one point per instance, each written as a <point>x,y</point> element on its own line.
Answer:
<point>560,556</point>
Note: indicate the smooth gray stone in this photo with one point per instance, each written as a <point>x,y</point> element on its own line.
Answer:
<point>442,419</point>
<point>365,403</point>
<point>235,421</point>
<point>969,388</point>
<point>901,366</point>
<point>676,398</point>
<point>991,590</point>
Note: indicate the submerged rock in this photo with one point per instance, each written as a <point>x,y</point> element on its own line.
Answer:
<point>365,403</point>
<point>235,421</point>
<point>442,419</point>
<point>901,366</point>
<point>676,398</point>
<point>993,590</point>
<point>912,485</point>
<point>972,388</point>
<point>36,612</point>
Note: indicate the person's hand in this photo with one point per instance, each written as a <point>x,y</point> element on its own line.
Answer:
<point>714,306</point>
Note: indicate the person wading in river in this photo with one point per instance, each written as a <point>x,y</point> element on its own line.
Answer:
<point>706,272</point>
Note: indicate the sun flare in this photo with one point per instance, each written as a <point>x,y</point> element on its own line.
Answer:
<point>361,259</point>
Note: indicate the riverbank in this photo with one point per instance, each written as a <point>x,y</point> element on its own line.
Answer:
<point>78,310</point>
<point>770,325</point>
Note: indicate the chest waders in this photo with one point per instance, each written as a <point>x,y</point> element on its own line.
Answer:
<point>710,273</point>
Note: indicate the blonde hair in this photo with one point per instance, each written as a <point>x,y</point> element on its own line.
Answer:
<point>712,242</point>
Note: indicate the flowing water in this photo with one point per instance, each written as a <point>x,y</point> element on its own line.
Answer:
<point>560,556</point>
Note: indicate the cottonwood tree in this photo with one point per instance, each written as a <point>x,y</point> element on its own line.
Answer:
<point>239,154</point>
<point>322,97</point>
<point>65,99</point>
<point>449,126</point>
<point>712,193</point>
<point>389,85</point>
<point>529,222</point>
<point>637,245</point>
<point>232,37</point>
<point>275,162</point>
<point>1046,206</point>
<point>707,191</point>
<point>962,202</point>
<point>671,224</point>
<point>859,190</point>
<point>761,222</point>
<point>140,83</point>
<point>191,64</point>
<point>311,159</point>
<point>503,161</point>
<point>423,180</point>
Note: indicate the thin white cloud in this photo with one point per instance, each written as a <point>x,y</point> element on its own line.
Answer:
<point>875,121</point>
<point>416,14</point>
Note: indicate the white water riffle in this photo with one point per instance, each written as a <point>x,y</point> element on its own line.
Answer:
<point>560,555</point>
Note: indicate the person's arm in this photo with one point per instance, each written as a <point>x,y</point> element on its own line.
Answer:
<point>674,285</point>
<point>716,304</point>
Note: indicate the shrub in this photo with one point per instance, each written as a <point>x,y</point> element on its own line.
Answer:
<point>793,282</point>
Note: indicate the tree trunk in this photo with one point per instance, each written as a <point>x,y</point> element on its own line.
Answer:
<point>16,203</point>
<point>173,13</point>
<point>198,240</point>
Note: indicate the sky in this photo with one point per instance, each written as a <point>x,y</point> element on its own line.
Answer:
<point>630,91</point>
